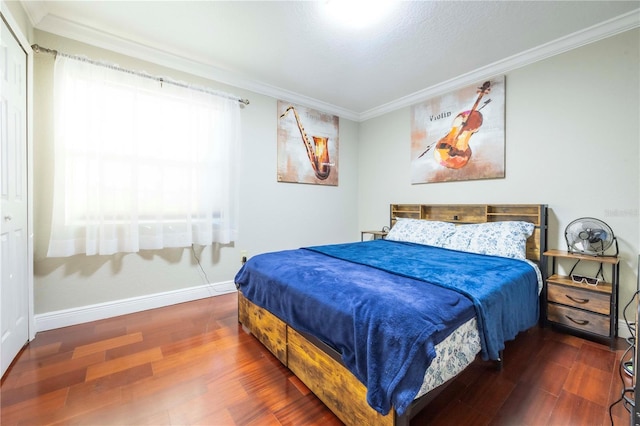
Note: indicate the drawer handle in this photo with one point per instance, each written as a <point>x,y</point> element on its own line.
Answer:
<point>577,300</point>
<point>582,322</point>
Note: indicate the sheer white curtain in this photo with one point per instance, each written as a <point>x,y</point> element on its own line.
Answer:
<point>140,164</point>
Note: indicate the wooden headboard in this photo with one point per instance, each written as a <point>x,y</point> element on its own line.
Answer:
<point>481,213</point>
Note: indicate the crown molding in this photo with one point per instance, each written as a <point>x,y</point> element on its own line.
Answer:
<point>589,35</point>
<point>85,34</point>
<point>36,10</point>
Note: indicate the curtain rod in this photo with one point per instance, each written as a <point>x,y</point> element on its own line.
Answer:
<point>38,49</point>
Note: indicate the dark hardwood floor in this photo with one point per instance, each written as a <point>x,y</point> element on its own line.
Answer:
<point>191,364</point>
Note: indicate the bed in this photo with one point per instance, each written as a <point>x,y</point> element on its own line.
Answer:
<point>376,329</point>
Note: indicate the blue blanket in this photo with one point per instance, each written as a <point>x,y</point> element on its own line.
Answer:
<point>504,291</point>
<point>348,305</point>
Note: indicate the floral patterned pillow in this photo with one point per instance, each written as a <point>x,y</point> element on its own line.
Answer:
<point>505,239</point>
<point>461,238</point>
<point>428,232</point>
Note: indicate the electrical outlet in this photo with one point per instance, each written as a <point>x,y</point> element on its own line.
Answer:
<point>243,256</point>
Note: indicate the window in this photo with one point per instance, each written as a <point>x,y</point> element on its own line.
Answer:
<point>140,164</point>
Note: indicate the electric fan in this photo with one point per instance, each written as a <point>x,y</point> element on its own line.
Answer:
<point>589,236</point>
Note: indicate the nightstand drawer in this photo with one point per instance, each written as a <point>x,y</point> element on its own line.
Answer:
<point>578,319</point>
<point>576,306</point>
<point>583,299</point>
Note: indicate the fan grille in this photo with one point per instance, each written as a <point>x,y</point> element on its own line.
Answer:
<point>588,235</point>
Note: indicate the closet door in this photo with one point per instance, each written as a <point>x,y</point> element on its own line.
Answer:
<point>14,287</point>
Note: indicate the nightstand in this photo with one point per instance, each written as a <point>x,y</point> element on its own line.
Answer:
<point>581,308</point>
<point>376,234</point>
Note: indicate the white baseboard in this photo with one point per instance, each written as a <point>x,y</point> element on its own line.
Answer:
<point>623,330</point>
<point>67,317</point>
<point>73,316</point>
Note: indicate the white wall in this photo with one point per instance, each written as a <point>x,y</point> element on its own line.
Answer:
<point>572,136</point>
<point>274,215</point>
<point>572,142</point>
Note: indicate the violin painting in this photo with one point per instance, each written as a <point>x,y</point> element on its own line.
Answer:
<point>453,137</point>
<point>453,150</point>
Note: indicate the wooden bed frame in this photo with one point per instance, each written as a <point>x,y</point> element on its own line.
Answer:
<point>320,368</point>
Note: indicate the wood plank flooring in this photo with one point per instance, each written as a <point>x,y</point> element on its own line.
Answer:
<point>192,364</point>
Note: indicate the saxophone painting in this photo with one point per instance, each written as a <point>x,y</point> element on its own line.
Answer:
<point>303,158</point>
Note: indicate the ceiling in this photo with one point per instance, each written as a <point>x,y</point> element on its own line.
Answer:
<point>294,51</point>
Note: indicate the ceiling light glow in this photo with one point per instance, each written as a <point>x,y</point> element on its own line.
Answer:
<point>358,13</point>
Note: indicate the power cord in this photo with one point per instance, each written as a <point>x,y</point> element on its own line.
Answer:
<point>208,285</point>
<point>195,256</point>
<point>210,288</point>
<point>628,403</point>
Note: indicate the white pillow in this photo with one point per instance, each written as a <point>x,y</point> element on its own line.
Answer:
<point>505,239</point>
<point>461,238</point>
<point>429,232</point>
